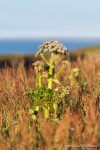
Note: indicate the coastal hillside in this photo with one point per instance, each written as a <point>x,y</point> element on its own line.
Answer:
<point>93,49</point>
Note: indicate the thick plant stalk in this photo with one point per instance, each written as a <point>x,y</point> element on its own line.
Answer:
<point>39,78</point>
<point>50,80</point>
<point>39,70</point>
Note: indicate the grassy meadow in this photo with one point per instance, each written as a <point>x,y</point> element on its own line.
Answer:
<point>77,128</point>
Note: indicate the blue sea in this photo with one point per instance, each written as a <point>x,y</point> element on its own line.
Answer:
<point>28,46</point>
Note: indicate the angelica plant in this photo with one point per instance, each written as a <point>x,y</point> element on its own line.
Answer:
<point>44,98</point>
<point>54,48</point>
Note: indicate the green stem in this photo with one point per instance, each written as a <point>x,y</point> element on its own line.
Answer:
<point>50,80</point>
<point>39,78</point>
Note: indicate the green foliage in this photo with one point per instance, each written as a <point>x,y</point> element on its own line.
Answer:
<point>41,93</point>
<point>43,100</point>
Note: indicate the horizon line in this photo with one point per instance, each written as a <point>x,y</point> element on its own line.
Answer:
<point>50,37</point>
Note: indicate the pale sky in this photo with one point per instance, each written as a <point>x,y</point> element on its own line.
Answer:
<point>49,18</point>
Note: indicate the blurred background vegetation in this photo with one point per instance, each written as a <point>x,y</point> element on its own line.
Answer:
<point>28,59</point>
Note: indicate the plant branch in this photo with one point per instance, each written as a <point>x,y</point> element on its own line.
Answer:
<point>60,71</point>
<point>44,59</point>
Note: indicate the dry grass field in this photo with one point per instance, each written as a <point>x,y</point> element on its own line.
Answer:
<point>78,128</point>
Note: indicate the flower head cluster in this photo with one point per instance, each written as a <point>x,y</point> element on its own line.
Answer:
<point>52,46</point>
<point>38,64</point>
